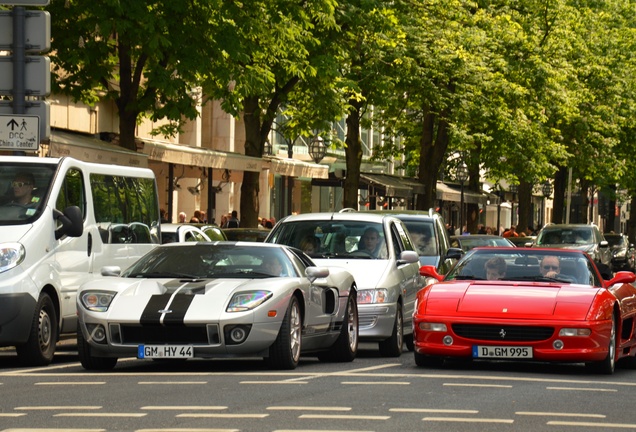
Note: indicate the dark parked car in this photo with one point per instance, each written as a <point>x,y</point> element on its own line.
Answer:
<point>622,252</point>
<point>467,242</point>
<point>525,241</point>
<point>583,237</point>
<point>246,234</point>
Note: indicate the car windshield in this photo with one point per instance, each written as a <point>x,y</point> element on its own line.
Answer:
<point>202,261</point>
<point>616,240</point>
<point>421,232</point>
<point>334,238</point>
<point>566,236</point>
<point>23,190</point>
<point>525,264</point>
<point>469,242</point>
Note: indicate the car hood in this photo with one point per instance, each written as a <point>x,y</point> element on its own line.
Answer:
<point>146,298</point>
<point>13,233</point>
<point>582,247</point>
<point>367,273</point>
<point>506,300</point>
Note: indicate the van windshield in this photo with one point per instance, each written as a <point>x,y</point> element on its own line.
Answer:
<point>23,190</point>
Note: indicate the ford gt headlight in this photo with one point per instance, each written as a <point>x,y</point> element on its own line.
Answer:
<point>97,301</point>
<point>247,300</point>
<point>11,255</point>
<point>373,296</point>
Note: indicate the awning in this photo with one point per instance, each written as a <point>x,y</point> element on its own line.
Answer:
<point>90,149</point>
<point>198,156</point>
<point>390,186</point>
<point>447,192</point>
<point>296,168</point>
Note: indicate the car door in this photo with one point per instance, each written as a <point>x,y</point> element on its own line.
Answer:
<point>410,280</point>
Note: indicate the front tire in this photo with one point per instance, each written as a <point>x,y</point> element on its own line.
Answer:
<point>607,365</point>
<point>392,347</point>
<point>88,361</point>
<point>40,347</point>
<point>346,346</point>
<point>285,351</point>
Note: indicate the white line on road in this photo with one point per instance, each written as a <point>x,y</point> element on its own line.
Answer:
<point>467,419</point>
<point>559,414</point>
<point>375,383</point>
<point>182,407</point>
<point>171,382</point>
<point>581,389</point>
<point>71,383</point>
<point>100,415</point>
<point>476,385</point>
<point>273,382</point>
<point>11,415</point>
<point>233,416</point>
<point>308,408</point>
<point>599,425</point>
<point>342,417</point>
<point>59,407</point>
<point>433,410</point>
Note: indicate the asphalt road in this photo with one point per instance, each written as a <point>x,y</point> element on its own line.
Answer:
<point>369,394</point>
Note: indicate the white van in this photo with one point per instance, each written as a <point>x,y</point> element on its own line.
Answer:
<point>61,220</point>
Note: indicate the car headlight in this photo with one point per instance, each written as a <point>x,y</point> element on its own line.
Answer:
<point>11,255</point>
<point>620,253</point>
<point>575,332</point>
<point>247,300</point>
<point>97,301</point>
<point>373,296</point>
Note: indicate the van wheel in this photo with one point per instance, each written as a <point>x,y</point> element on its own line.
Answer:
<point>40,347</point>
<point>392,347</point>
<point>88,361</point>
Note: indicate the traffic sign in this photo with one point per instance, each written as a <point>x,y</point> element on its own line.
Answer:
<point>19,132</point>
<point>37,31</point>
<point>25,2</point>
<point>41,109</point>
<point>37,77</point>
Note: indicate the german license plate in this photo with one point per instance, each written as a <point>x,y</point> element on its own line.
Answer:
<point>507,352</point>
<point>165,351</point>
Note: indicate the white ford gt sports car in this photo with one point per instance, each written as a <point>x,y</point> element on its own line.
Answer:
<point>222,299</point>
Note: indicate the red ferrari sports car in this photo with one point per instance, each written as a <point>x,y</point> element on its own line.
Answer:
<point>526,304</point>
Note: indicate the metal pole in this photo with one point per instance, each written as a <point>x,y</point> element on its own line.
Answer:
<point>498,212</point>
<point>461,211</point>
<point>569,197</point>
<point>19,63</point>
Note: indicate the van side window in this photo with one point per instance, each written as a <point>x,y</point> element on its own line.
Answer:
<point>72,192</point>
<point>130,201</point>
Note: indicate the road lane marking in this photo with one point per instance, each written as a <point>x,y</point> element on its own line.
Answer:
<point>352,372</point>
<point>433,410</point>
<point>59,407</point>
<point>559,414</point>
<point>182,407</point>
<point>599,425</point>
<point>100,415</point>
<point>375,383</point>
<point>342,417</point>
<point>71,383</point>
<point>171,382</point>
<point>581,389</point>
<point>51,430</point>
<point>308,408</point>
<point>232,416</point>
<point>12,414</point>
<point>467,419</point>
<point>476,385</point>
<point>273,382</point>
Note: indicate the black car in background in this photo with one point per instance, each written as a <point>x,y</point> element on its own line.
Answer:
<point>622,252</point>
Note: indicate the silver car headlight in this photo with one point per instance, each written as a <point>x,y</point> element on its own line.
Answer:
<point>247,300</point>
<point>369,296</point>
<point>11,255</point>
<point>97,301</point>
<point>620,253</point>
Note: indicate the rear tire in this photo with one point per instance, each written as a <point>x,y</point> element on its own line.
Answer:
<point>346,346</point>
<point>392,347</point>
<point>285,351</point>
<point>40,347</point>
<point>88,361</point>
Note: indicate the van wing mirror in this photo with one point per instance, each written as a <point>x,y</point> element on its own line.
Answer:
<point>71,222</point>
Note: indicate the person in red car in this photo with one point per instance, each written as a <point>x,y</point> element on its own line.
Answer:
<point>550,266</point>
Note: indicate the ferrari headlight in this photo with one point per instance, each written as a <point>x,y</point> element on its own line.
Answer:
<point>97,301</point>
<point>434,327</point>
<point>11,255</point>
<point>373,296</point>
<point>247,300</point>
<point>575,332</point>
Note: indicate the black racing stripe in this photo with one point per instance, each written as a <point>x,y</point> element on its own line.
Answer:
<point>151,314</point>
<point>179,307</point>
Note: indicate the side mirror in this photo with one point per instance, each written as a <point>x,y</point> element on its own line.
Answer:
<point>71,220</point>
<point>454,253</point>
<point>111,271</point>
<point>314,273</point>
<point>407,257</point>
<point>430,271</point>
<point>622,277</point>
<point>603,244</point>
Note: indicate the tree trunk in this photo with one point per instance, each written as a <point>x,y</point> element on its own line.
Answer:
<point>353,156</point>
<point>560,190</point>
<point>431,158</point>
<point>525,204</point>
<point>250,206</point>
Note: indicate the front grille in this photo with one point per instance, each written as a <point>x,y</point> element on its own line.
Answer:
<point>502,332</point>
<point>158,334</point>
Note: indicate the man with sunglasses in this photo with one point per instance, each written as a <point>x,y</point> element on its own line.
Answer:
<point>550,266</point>
<point>23,185</point>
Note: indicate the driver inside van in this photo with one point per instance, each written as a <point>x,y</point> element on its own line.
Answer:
<point>22,186</point>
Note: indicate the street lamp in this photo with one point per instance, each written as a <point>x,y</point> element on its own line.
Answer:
<point>513,189</point>
<point>462,176</point>
<point>317,149</point>
<point>267,148</point>
<point>546,189</point>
